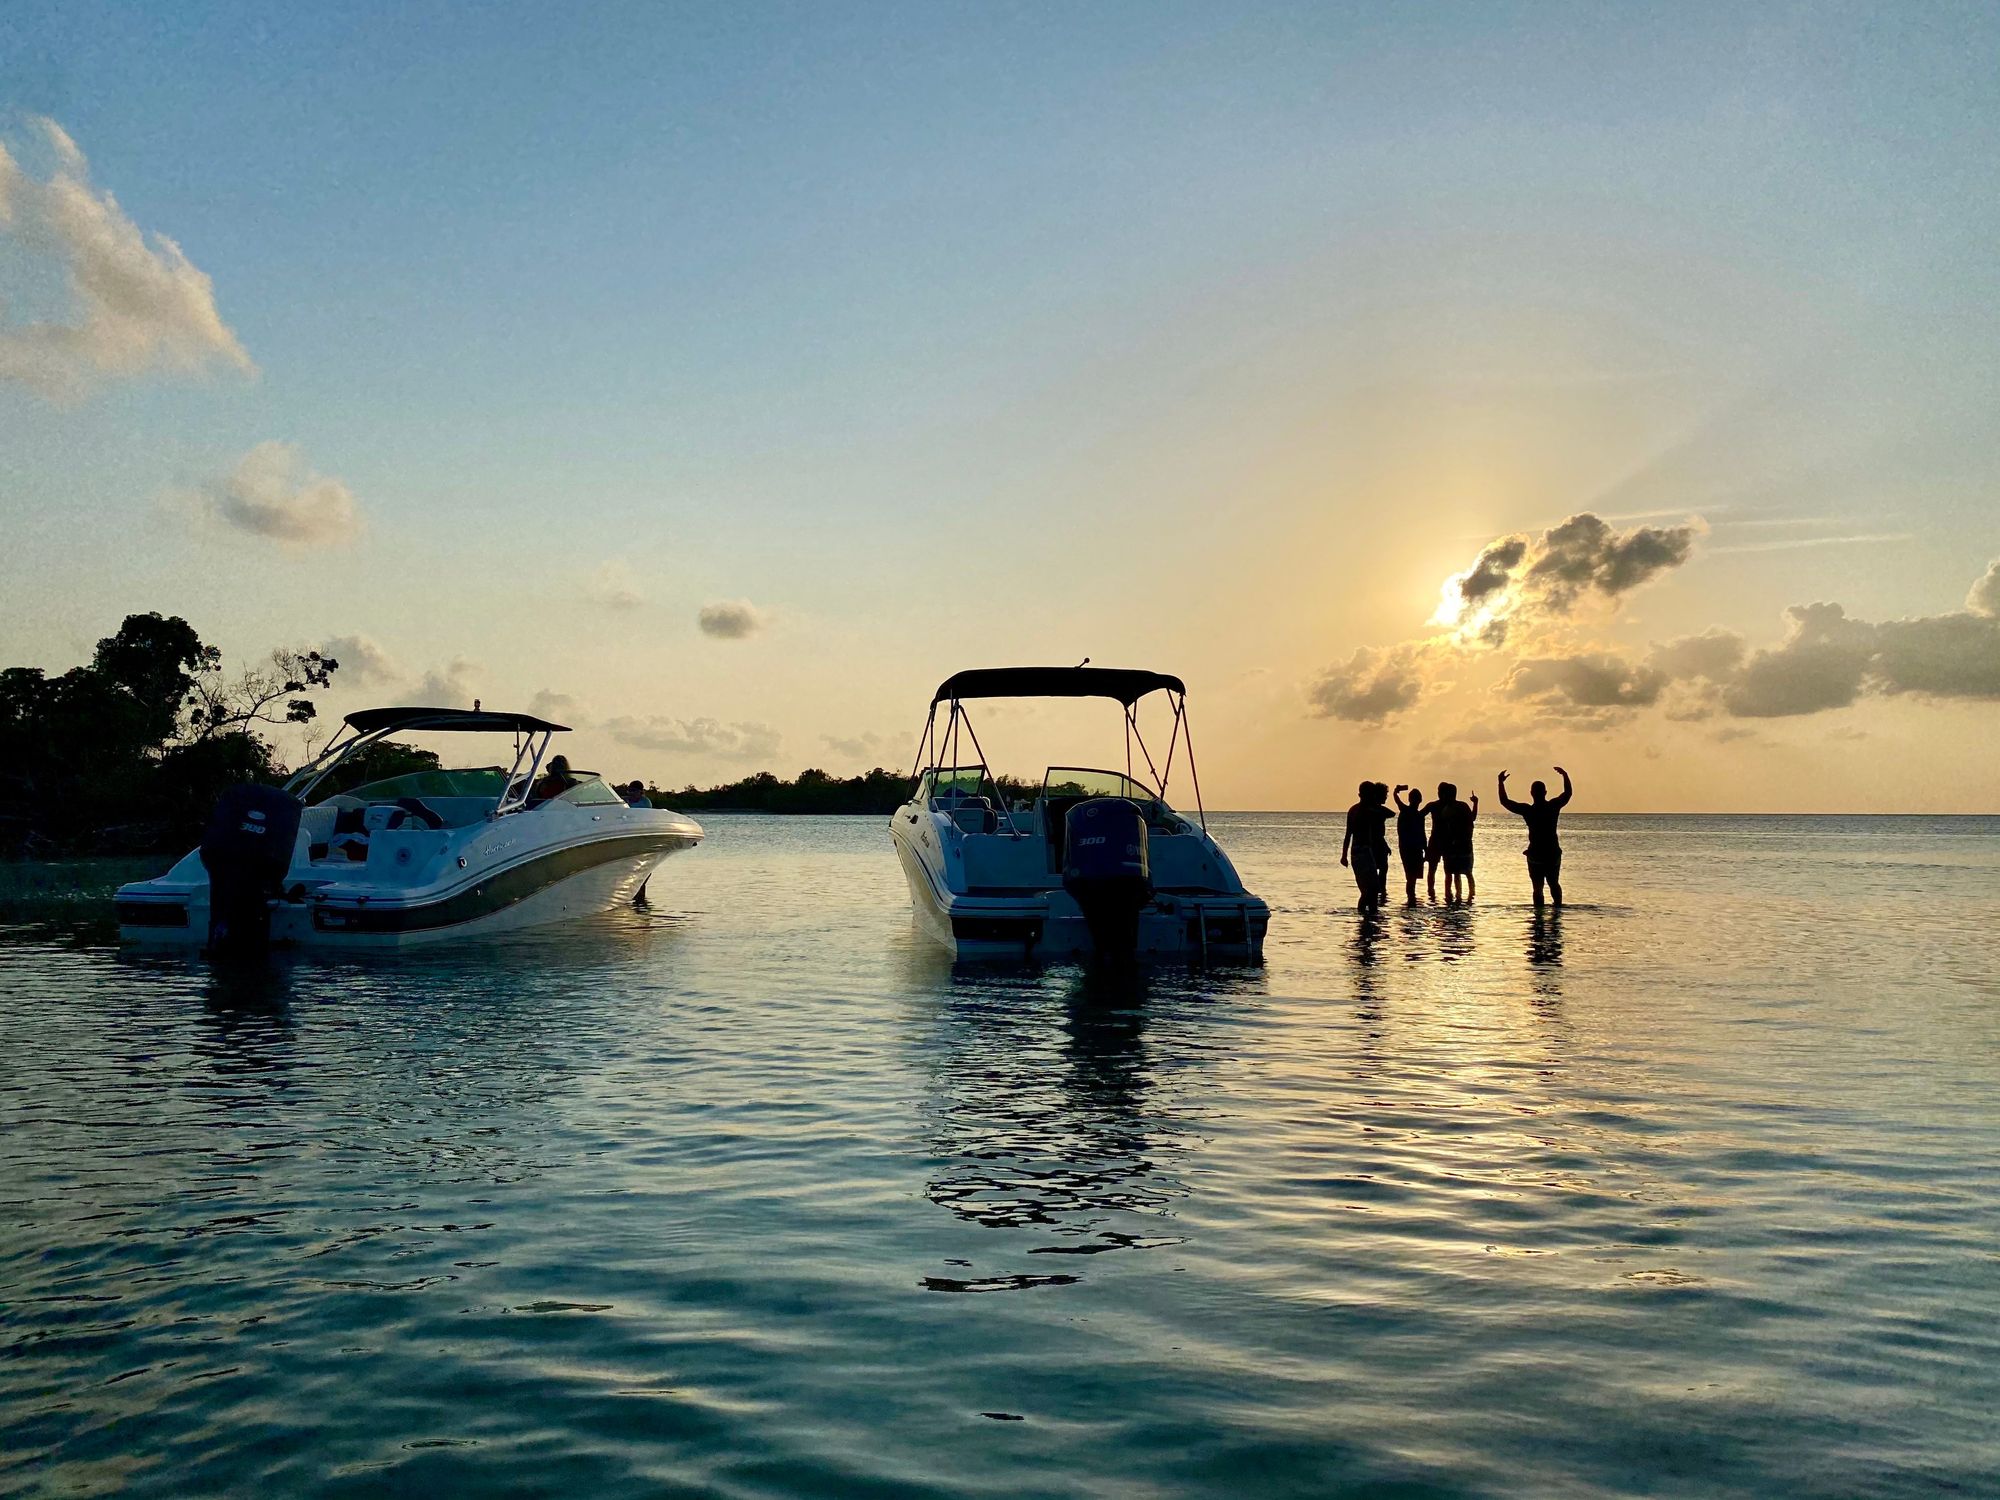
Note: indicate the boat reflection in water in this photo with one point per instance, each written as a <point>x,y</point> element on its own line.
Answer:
<point>1061,1114</point>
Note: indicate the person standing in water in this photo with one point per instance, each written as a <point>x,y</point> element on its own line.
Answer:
<point>1367,844</point>
<point>1451,842</point>
<point>1410,841</point>
<point>1545,855</point>
<point>1458,851</point>
<point>1439,814</point>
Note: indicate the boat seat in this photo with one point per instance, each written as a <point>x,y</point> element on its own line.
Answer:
<point>317,824</point>
<point>973,814</point>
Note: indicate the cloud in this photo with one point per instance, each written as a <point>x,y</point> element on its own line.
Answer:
<point>363,663</point>
<point>135,304</point>
<point>1584,553</point>
<point>1589,680</point>
<point>614,587</point>
<point>1518,576</point>
<point>1712,656</point>
<point>449,686</point>
<point>1944,656</point>
<point>271,494</point>
<point>742,741</point>
<point>1822,664</point>
<point>1828,660</point>
<point>559,707</point>
<point>1492,570</point>
<point>861,747</point>
<point>1371,686</point>
<point>1984,596</point>
<point>731,619</point>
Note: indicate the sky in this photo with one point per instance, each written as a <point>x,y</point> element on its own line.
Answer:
<point>1437,389</point>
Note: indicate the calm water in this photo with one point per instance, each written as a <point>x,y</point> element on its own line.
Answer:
<point>1695,1190</point>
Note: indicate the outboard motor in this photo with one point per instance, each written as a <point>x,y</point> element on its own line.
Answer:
<point>1107,872</point>
<point>246,851</point>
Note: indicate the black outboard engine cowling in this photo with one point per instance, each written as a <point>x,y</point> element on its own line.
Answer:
<point>1107,872</point>
<point>246,851</point>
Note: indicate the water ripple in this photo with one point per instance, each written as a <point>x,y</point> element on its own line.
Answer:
<point>1675,1192</point>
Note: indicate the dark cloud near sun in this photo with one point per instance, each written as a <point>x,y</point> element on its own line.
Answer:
<point>1585,553</point>
<point>1495,565</point>
<point>1516,576</point>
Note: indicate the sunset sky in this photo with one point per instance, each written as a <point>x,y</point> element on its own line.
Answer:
<point>721,378</point>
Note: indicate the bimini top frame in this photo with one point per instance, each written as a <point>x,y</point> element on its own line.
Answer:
<point>1123,685</point>
<point>366,726</point>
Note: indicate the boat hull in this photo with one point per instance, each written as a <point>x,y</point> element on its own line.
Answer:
<point>551,885</point>
<point>1220,926</point>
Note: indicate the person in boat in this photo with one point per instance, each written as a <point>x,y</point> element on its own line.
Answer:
<point>1410,840</point>
<point>634,793</point>
<point>1365,846</point>
<point>1544,851</point>
<point>556,778</point>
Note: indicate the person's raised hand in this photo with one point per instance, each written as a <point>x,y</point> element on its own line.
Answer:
<point>1561,772</point>
<point>1503,777</point>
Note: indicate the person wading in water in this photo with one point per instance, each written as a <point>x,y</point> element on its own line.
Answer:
<point>1410,838</point>
<point>1545,855</point>
<point>1366,842</point>
<point>1451,842</point>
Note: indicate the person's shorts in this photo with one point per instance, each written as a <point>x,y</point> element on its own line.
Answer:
<point>1368,865</point>
<point>1413,861</point>
<point>1458,861</point>
<point>1547,863</point>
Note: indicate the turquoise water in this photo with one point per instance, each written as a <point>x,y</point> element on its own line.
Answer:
<point>1693,1190</point>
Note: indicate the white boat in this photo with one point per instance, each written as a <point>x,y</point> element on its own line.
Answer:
<point>1095,862</point>
<point>413,859</point>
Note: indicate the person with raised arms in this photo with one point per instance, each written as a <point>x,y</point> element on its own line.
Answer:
<point>1544,851</point>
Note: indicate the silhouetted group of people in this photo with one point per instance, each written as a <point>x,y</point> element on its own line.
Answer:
<point>1429,834</point>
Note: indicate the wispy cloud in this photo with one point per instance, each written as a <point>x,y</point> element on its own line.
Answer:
<point>137,304</point>
<point>614,586</point>
<point>1793,544</point>
<point>859,747</point>
<point>702,737</point>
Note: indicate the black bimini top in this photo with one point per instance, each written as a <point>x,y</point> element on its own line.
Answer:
<point>446,720</point>
<point>1126,684</point>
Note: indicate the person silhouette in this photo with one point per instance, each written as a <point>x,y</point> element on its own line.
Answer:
<point>1434,847</point>
<point>1544,851</point>
<point>1385,815</point>
<point>1367,843</point>
<point>1451,842</point>
<point>1410,840</point>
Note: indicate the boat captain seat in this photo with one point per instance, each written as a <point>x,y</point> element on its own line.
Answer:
<point>973,813</point>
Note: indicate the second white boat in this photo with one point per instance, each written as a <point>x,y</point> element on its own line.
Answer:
<point>1095,862</point>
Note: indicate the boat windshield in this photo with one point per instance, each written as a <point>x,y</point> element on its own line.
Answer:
<point>483,781</point>
<point>956,781</point>
<point>592,790</point>
<point>1076,782</point>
